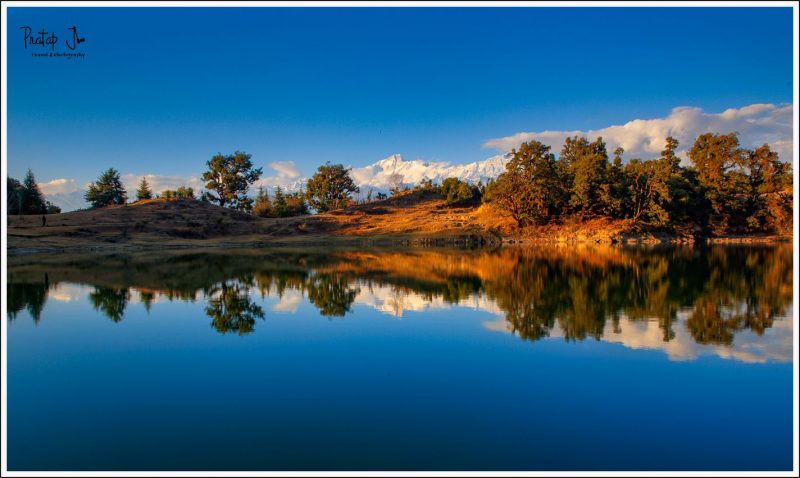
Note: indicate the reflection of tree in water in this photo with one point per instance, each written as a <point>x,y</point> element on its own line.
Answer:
<point>231,309</point>
<point>331,293</point>
<point>26,296</point>
<point>721,290</point>
<point>110,301</point>
<point>537,293</point>
<point>147,299</point>
<point>279,281</point>
<point>747,288</point>
<point>726,289</point>
<point>460,288</point>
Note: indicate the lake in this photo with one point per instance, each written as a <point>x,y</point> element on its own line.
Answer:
<point>546,358</point>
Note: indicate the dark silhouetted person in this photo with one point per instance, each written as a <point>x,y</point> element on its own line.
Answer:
<point>44,220</point>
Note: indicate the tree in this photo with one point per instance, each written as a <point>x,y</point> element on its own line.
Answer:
<point>296,204</point>
<point>530,188</point>
<point>719,163</point>
<point>107,190</point>
<point>613,192</point>
<point>32,198</point>
<point>660,192</point>
<point>14,192</point>
<point>52,208</point>
<point>683,199</point>
<point>144,191</point>
<point>587,164</point>
<point>279,203</point>
<point>769,194</point>
<point>426,184</point>
<point>228,179</point>
<point>457,192</point>
<point>27,198</point>
<point>262,207</point>
<point>182,192</point>
<point>330,188</point>
<point>648,189</point>
<point>185,192</point>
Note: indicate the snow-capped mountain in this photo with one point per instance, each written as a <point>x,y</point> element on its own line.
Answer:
<point>377,175</point>
<point>286,185</point>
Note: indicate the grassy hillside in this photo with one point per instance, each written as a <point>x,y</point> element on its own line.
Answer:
<point>417,217</point>
<point>159,223</point>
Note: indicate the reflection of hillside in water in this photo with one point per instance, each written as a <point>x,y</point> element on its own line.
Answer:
<point>673,298</point>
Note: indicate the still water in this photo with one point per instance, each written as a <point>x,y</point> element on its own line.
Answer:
<point>558,358</point>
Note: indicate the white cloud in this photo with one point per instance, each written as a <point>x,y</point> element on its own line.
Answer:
<point>644,138</point>
<point>59,186</point>
<point>774,346</point>
<point>67,292</point>
<point>394,301</point>
<point>289,302</point>
<point>287,176</point>
<point>285,169</point>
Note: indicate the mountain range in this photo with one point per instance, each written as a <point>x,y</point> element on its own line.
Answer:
<point>376,177</point>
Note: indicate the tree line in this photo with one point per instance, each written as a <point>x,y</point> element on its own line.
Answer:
<point>227,182</point>
<point>27,198</point>
<point>726,189</point>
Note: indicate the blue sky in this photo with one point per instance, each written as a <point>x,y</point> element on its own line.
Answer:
<point>161,90</point>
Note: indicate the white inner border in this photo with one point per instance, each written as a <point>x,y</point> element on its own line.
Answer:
<point>473,4</point>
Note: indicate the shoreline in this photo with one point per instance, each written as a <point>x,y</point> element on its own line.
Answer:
<point>389,240</point>
<point>413,220</point>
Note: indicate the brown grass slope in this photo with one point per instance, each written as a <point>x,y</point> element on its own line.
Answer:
<point>151,224</point>
<point>416,217</point>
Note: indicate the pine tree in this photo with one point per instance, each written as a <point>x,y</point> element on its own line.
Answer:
<point>14,190</point>
<point>262,206</point>
<point>32,198</point>
<point>107,190</point>
<point>296,204</point>
<point>279,203</point>
<point>614,191</point>
<point>144,191</point>
<point>587,163</point>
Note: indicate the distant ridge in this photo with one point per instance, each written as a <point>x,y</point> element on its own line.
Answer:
<point>374,176</point>
<point>377,174</point>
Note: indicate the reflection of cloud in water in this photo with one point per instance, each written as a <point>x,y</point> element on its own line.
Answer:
<point>289,302</point>
<point>395,302</point>
<point>66,292</point>
<point>775,345</point>
<point>499,325</point>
